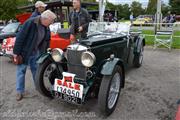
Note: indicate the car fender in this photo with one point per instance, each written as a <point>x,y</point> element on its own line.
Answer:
<point>140,40</point>
<point>109,65</point>
<point>42,57</point>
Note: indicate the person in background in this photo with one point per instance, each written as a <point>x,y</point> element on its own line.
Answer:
<point>32,40</point>
<point>174,16</point>
<point>79,20</point>
<point>40,7</point>
<point>110,17</point>
<point>115,19</point>
<point>131,17</point>
<point>168,18</point>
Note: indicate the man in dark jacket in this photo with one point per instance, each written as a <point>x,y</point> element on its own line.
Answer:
<point>79,20</point>
<point>32,40</point>
<point>40,7</point>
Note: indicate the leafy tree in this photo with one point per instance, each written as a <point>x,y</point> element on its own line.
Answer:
<point>88,0</point>
<point>165,9</point>
<point>175,8</point>
<point>125,11</point>
<point>95,7</point>
<point>122,10</point>
<point>137,9</point>
<point>151,8</point>
<point>22,2</point>
<point>8,9</point>
<point>111,6</point>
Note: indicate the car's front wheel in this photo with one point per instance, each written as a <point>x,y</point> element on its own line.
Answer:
<point>109,92</point>
<point>46,73</point>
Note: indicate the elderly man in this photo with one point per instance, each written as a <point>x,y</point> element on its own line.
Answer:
<point>79,20</point>
<point>32,40</point>
<point>40,7</point>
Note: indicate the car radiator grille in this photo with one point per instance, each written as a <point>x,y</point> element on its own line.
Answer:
<point>74,64</point>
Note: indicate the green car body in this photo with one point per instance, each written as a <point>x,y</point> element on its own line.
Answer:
<point>110,51</point>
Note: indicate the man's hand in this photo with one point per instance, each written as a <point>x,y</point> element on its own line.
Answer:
<point>72,38</point>
<point>80,29</point>
<point>15,58</point>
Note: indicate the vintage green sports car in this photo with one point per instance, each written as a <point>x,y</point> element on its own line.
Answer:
<point>93,67</point>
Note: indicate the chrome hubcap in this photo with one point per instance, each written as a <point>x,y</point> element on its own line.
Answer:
<point>114,90</point>
<point>50,68</point>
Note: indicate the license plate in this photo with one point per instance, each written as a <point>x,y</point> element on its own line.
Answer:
<point>67,90</point>
<point>67,98</point>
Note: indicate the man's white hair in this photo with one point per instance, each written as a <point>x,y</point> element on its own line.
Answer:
<point>48,14</point>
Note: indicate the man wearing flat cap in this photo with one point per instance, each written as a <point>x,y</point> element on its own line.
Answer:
<point>40,7</point>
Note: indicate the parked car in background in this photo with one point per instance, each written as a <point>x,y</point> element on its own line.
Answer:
<point>8,34</point>
<point>60,38</point>
<point>10,30</point>
<point>143,20</point>
<point>7,46</point>
<point>1,27</point>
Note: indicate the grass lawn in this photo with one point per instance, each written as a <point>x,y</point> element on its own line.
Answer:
<point>150,39</point>
<point>124,21</point>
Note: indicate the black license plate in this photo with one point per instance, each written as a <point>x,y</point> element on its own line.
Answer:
<point>66,97</point>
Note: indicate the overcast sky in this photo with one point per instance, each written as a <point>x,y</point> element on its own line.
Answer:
<point>143,2</point>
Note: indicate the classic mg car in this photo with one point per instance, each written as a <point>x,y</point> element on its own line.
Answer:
<point>92,67</point>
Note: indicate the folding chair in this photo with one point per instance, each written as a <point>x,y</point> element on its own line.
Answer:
<point>164,37</point>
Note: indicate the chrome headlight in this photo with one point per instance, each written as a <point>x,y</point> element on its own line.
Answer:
<point>88,59</point>
<point>57,54</point>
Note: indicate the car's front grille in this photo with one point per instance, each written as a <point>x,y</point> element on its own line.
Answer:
<point>74,63</point>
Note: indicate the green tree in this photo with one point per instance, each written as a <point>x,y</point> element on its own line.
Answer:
<point>122,10</point>
<point>22,2</point>
<point>137,9</point>
<point>175,8</point>
<point>88,0</point>
<point>8,9</point>
<point>165,9</point>
<point>125,12</point>
<point>111,6</point>
<point>151,8</point>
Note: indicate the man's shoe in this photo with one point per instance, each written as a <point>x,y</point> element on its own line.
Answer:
<point>19,96</point>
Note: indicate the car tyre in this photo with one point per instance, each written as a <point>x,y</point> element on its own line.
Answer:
<point>39,79</point>
<point>138,58</point>
<point>104,97</point>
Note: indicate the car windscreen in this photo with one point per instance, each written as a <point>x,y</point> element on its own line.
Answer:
<point>108,28</point>
<point>10,28</point>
